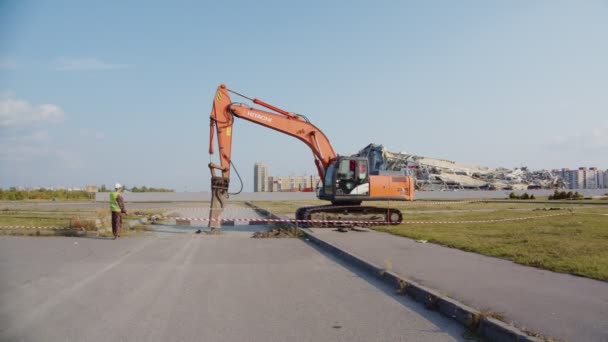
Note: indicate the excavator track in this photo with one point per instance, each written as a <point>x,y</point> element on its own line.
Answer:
<point>333,216</point>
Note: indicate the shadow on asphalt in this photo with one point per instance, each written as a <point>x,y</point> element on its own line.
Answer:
<point>419,308</point>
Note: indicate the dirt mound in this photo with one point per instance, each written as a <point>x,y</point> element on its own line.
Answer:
<point>274,233</point>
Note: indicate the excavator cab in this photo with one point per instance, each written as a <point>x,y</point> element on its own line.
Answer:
<point>346,184</point>
<point>346,181</point>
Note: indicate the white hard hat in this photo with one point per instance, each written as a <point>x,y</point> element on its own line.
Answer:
<point>117,186</point>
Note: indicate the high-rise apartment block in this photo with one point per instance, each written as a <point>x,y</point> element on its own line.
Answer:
<point>260,177</point>
<point>584,178</point>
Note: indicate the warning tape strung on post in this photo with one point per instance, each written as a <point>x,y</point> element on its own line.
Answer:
<point>192,209</point>
<point>36,227</point>
<point>423,203</point>
<point>411,203</point>
<point>205,219</point>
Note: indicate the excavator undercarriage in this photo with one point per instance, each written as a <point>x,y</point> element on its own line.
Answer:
<point>338,216</point>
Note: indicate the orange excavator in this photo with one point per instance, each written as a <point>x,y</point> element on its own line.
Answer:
<point>345,181</point>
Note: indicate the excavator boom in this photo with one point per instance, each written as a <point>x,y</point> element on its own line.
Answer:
<point>222,118</point>
<point>346,182</point>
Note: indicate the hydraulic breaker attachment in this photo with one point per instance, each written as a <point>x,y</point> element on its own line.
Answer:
<point>219,195</point>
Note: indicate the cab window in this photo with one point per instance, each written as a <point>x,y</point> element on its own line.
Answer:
<point>329,179</point>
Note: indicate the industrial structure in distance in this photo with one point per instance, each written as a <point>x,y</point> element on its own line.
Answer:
<point>441,175</point>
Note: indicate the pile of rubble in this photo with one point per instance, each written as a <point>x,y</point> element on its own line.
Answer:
<point>276,233</point>
<point>440,174</point>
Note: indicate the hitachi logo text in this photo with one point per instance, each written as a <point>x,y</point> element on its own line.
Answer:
<point>259,116</point>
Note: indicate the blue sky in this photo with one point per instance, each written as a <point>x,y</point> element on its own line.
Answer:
<point>94,93</point>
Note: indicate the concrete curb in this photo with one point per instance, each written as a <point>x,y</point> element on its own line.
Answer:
<point>267,214</point>
<point>487,328</point>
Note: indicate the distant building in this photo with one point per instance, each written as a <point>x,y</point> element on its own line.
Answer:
<point>581,178</point>
<point>570,177</point>
<point>591,178</point>
<point>91,188</point>
<point>585,178</point>
<point>600,175</point>
<point>264,182</point>
<point>260,177</point>
<point>293,183</point>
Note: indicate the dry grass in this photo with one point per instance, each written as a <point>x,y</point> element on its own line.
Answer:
<point>573,243</point>
<point>67,222</point>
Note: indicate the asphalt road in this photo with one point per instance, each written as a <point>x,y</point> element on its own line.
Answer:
<point>179,286</point>
<point>558,305</point>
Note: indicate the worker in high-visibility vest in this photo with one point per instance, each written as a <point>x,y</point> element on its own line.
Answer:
<point>117,206</point>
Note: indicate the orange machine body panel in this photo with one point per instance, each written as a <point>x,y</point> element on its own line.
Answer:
<point>391,186</point>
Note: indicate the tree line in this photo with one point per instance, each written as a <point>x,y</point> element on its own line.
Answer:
<point>557,195</point>
<point>144,188</point>
<point>13,194</point>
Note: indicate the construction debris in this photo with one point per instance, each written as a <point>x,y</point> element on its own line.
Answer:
<point>274,233</point>
<point>442,175</point>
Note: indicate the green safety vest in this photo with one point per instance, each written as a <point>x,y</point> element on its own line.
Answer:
<point>114,201</point>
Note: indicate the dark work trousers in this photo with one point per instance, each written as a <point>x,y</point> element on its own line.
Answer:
<point>116,223</point>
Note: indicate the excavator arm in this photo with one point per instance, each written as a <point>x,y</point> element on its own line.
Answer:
<point>221,123</point>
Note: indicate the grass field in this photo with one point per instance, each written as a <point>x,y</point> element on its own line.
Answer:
<point>64,221</point>
<point>575,242</point>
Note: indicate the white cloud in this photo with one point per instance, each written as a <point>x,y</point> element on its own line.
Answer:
<point>85,64</point>
<point>26,138</point>
<point>16,112</point>
<point>24,134</point>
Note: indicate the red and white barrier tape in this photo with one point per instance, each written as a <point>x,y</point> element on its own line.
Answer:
<point>192,209</point>
<point>423,203</point>
<point>34,227</point>
<point>412,203</point>
<point>205,219</point>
